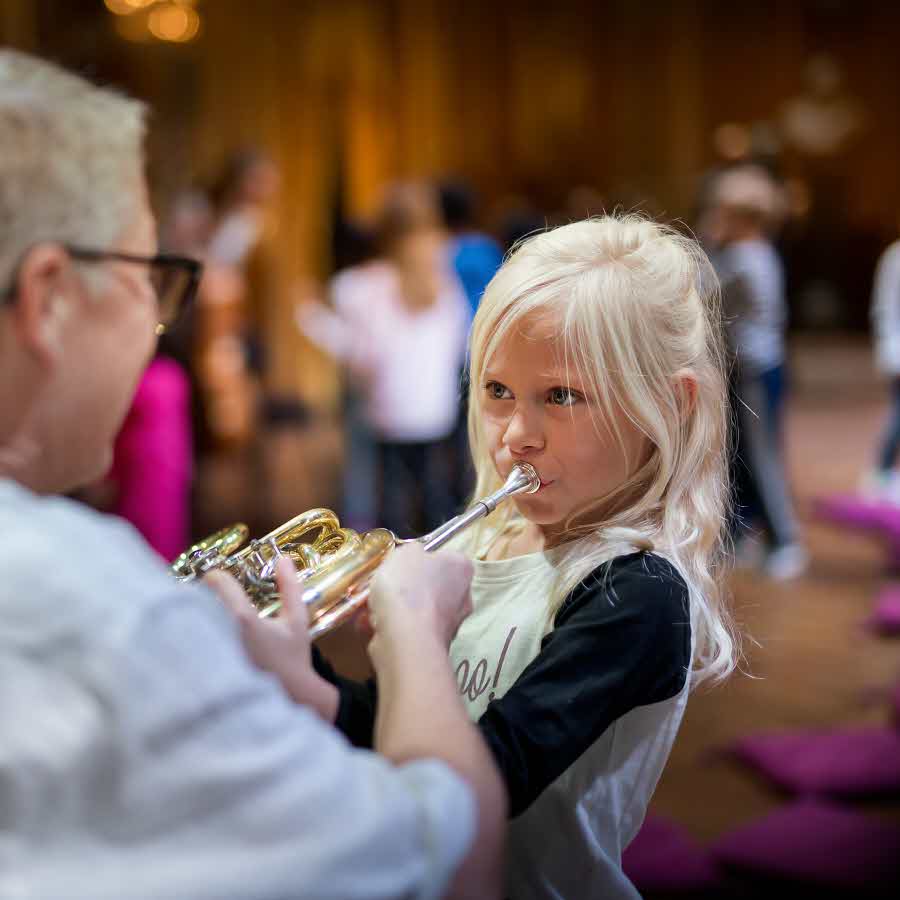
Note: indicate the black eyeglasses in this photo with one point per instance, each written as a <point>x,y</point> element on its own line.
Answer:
<point>174,279</point>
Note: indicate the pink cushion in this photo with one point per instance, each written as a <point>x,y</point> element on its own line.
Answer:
<point>848,763</point>
<point>818,845</point>
<point>663,858</point>
<point>885,617</point>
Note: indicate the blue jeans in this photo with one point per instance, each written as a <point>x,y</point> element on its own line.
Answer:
<point>890,441</point>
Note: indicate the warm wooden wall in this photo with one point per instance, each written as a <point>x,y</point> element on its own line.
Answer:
<point>524,95</point>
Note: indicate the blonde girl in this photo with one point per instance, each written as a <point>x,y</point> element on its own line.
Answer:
<point>597,601</point>
<point>596,357</point>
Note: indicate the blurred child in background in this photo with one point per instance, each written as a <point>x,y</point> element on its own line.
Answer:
<point>399,325</point>
<point>745,207</point>
<point>883,481</point>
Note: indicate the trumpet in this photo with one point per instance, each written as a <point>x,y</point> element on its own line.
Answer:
<point>334,565</point>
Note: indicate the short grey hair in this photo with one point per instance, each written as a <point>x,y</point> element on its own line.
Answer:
<point>71,157</point>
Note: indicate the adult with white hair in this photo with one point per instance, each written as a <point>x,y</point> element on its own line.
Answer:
<point>133,764</point>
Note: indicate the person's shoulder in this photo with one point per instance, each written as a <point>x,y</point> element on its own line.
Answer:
<point>755,255</point>
<point>890,256</point>
<point>61,553</point>
<point>479,242</point>
<point>640,566</point>
<point>353,288</point>
<point>644,582</point>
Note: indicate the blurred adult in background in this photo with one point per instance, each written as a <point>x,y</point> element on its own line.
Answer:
<point>745,209</point>
<point>883,481</point>
<point>399,326</point>
<point>350,291</point>
<point>242,195</point>
<point>132,764</point>
<point>153,458</point>
<point>518,217</point>
<point>475,257</point>
<point>237,282</point>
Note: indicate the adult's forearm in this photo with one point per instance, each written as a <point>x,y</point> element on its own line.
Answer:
<point>420,716</point>
<point>310,689</point>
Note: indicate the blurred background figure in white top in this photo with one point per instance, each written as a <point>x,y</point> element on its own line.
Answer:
<point>399,326</point>
<point>883,482</point>
<point>746,209</point>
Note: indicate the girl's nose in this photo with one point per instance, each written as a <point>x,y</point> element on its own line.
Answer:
<point>524,433</point>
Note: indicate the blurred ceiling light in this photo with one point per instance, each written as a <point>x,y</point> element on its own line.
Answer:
<point>174,22</point>
<point>126,7</point>
<point>119,7</point>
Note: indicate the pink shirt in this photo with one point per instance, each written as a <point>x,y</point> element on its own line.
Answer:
<point>152,463</point>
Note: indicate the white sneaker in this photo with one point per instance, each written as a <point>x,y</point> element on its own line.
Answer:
<point>789,561</point>
<point>881,487</point>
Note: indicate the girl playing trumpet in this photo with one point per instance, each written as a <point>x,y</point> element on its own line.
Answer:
<point>597,601</point>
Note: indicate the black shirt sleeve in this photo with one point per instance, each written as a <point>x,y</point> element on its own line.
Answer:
<point>356,708</point>
<point>621,640</point>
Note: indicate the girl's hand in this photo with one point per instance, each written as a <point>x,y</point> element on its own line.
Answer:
<point>281,645</point>
<point>429,591</point>
<point>362,624</point>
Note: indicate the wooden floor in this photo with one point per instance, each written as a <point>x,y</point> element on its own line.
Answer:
<point>807,662</point>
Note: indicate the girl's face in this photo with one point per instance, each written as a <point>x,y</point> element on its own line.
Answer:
<point>534,411</point>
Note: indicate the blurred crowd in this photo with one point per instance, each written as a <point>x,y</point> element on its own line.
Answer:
<point>394,314</point>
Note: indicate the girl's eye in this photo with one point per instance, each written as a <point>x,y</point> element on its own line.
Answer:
<point>497,391</point>
<point>561,396</point>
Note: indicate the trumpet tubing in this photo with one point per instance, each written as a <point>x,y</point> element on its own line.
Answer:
<point>334,565</point>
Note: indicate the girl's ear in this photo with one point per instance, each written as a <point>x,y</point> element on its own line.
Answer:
<point>685,384</point>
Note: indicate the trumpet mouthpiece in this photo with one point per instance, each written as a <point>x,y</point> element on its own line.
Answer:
<point>523,479</point>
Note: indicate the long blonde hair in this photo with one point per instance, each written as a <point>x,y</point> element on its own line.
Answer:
<point>638,310</point>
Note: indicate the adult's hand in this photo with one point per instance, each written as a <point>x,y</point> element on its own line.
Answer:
<point>280,645</point>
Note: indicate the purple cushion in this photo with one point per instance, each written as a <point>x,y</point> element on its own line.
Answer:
<point>895,704</point>
<point>663,858</point>
<point>885,617</point>
<point>858,512</point>
<point>862,514</point>
<point>816,844</point>
<point>850,763</point>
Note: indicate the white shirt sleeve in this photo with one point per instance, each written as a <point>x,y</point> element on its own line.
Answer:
<point>886,309</point>
<point>324,328</point>
<point>155,762</point>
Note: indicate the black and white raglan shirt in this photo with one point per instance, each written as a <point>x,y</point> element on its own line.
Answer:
<point>580,717</point>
